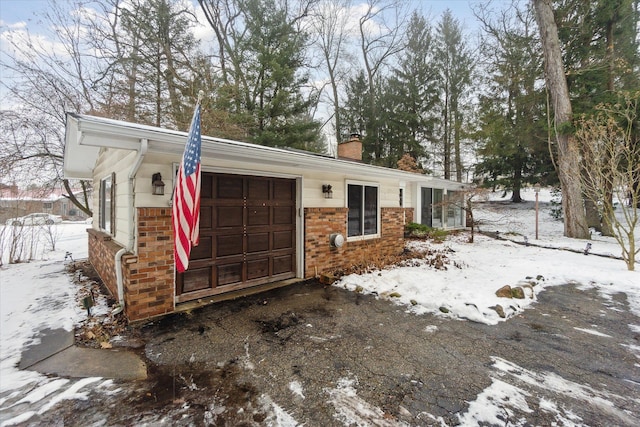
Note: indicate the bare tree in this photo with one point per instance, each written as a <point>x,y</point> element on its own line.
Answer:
<point>48,78</point>
<point>329,24</point>
<point>611,163</point>
<point>568,163</point>
<point>381,27</point>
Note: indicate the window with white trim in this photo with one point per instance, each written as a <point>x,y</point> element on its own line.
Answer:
<point>106,202</point>
<point>363,202</point>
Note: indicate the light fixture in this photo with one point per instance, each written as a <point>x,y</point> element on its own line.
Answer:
<point>157,184</point>
<point>327,191</point>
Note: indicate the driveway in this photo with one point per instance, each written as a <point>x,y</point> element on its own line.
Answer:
<point>322,356</point>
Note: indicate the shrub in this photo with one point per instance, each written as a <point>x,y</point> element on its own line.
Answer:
<point>425,232</point>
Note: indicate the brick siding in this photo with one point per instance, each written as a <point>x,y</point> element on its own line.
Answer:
<point>102,251</point>
<point>149,290</point>
<point>148,277</point>
<point>351,149</point>
<point>320,223</point>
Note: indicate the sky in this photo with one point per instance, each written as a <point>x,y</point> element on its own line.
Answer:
<point>39,294</point>
<point>14,11</point>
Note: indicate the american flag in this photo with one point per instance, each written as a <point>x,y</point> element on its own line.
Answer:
<point>186,197</point>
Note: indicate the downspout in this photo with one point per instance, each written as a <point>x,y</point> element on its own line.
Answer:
<point>144,146</point>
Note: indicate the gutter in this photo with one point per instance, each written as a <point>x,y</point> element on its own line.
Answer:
<point>144,146</point>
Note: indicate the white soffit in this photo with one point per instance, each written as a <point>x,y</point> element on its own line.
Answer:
<point>85,135</point>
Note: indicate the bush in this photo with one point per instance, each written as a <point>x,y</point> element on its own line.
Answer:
<point>425,232</point>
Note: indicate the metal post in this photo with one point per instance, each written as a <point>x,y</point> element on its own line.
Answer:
<point>536,188</point>
<point>536,216</point>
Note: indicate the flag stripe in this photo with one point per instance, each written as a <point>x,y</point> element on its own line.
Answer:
<point>186,198</point>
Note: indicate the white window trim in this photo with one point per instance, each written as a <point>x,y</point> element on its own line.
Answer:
<point>377,235</point>
<point>101,205</point>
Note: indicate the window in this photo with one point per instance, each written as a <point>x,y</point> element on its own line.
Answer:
<point>47,206</point>
<point>455,213</point>
<point>363,216</point>
<point>438,207</point>
<point>107,204</point>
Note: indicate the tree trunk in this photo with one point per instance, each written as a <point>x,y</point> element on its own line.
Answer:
<point>456,148</point>
<point>575,222</point>
<point>517,185</point>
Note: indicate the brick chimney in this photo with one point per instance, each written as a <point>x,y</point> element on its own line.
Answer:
<point>351,149</point>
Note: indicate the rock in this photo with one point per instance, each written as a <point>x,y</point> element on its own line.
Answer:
<point>359,289</point>
<point>504,292</point>
<point>413,302</point>
<point>327,279</point>
<point>540,277</point>
<point>498,308</point>
<point>394,295</point>
<point>530,288</point>
<point>517,292</point>
<point>444,309</point>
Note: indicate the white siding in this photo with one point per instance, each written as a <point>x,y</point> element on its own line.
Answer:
<point>120,162</point>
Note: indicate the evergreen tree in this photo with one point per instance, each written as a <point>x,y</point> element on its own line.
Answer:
<point>414,92</point>
<point>512,125</point>
<point>455,64</point>
<point>264,75</point>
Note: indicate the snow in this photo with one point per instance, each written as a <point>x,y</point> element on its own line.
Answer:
<point>36,296</point>
<point>40,295</point>
<point>466,289</point>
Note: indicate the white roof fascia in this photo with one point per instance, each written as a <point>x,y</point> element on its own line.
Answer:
<point>89,132</point>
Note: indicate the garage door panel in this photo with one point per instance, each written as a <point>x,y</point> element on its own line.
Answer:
<point>258,188</point>
<point>257,268</point>
<point>206,218</point>
<point>229,245</point>
<point>197,279</point>
<point>258,215</point>
<point>230,216</point>
<point>257,242</point>
<point>203,250</point>
<point>229,273</point>
<point>284,189</point>
<point>283,239</point>
<point>206,187</point>
<point>283,264</point>
<point>229,187</point>
<point>283,214</point>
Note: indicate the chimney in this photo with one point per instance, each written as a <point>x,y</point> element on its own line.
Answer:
<point>351,149</point>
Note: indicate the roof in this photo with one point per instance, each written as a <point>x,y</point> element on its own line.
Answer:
<point>86,135</point>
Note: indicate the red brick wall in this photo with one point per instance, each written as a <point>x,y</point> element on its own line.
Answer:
<point>351,149</point>
<point>149,285</point>
<point>102,251</point>
<point>320,257</point>
<point>148,277</point>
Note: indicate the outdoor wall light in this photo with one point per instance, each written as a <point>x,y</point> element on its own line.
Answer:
<point>327,191</point>
<point>157,184</point>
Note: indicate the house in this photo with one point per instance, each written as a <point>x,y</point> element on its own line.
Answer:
<point>16,202</point>
<point>267,214</point>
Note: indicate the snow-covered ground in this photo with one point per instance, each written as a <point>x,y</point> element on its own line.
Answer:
<point>466,289</point>
<point>39,294</point>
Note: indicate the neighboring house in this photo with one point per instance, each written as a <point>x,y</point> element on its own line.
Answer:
<point>16,203</point>
<point>267,214</point>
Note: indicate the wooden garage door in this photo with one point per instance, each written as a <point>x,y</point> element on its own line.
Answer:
<point>247,235</point>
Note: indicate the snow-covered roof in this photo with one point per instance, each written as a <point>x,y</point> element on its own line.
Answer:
<point>85,135</point>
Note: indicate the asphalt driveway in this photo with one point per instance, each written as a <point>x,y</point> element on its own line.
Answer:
<point>322,356</point>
